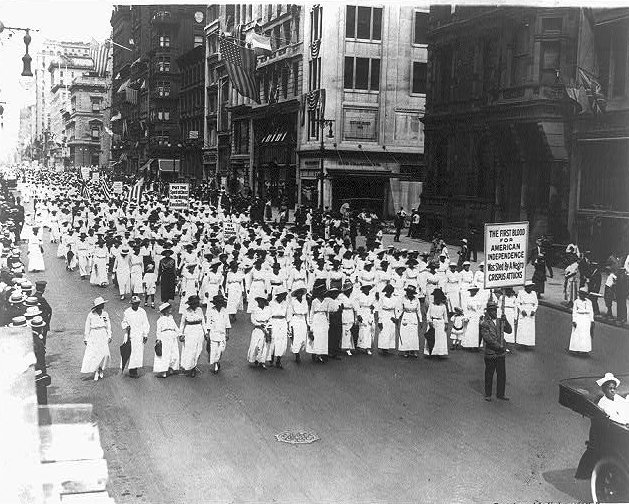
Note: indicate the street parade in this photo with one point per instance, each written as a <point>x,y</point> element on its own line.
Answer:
<point>313,253</point>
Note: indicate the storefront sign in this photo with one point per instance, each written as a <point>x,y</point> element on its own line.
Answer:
<point>117,187</point>
<point>179,196</point>
<point>360,124</point>
<point>505,254</point>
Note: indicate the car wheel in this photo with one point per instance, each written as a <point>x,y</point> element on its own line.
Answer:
<point>609,481</point>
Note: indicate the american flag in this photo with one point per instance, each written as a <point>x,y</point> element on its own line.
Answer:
<point>240,63</point>
<point>105,189</point>
<point>100,54</point>
<point>85,190</point>
<point>135,194</point>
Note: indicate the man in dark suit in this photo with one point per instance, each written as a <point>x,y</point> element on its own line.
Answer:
<point>492,332</point>
<point>46,309</point>
<point>541,247</point>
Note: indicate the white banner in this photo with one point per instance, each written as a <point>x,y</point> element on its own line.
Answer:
<point>229,229</point>
<point>117,187</point>
<point>179,196</point>
<point>506,246</point>
<point>95,176</point>
<point>85,172</point>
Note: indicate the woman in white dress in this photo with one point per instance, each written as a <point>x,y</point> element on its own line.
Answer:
<point>473,309</point>
<point>387,320</point>
<point>279,325</point>
<point>298,322</point>
<point>437,316</point>
<point>98,274</point>
<point>122,272</point>
<point>261,333</point>
<point>167,332</point>
<point>365,304</point>
<point>35,253</point>
<point>234,287</point>
<point>526,304</point>
<point>258,287</point>
<point>194,331</point>
<point>317,345</point>
<point>96,336</point>
<point>582,323</point>
<point>507,307</point>
<point>136,272</point>
<point>189,285</point>
<point>409,312</point>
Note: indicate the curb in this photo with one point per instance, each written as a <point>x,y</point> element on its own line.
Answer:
<point>597,318</point>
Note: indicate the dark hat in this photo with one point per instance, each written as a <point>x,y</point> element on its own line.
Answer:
<point>491,304</point>
<point>298,292</point>
<point>40,284</point>
<point>261,299</point>
<point>388,288</point>
<point>194,299</point>
<point>219,299</point>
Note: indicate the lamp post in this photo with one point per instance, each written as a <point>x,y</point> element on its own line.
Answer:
<point>323,123</point>
<point>26,59</point>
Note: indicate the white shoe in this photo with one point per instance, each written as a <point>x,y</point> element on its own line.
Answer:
<point>100,374</point>
<point>349,352</point>
<point>368,352</point>
<point>96,376</point>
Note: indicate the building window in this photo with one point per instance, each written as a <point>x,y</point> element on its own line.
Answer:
<point>315,74</point>
<point>316,23</point>
<point>361,73</point>
<point>95,132</point>
<point>163,88</point>
<point>73,104</point>
<point>419,78</point>
<point>619,61</point>
<point>198,40</point>
<point>285,82</point>
<point>552,24</point>
<point>95,104</point>
<point>420,28</point>
<point>164,40</point>
<point>550,61</point>
<point>363,23</point>
<point>163,64</point>
<point>241,137</point>
<point>519,62</point>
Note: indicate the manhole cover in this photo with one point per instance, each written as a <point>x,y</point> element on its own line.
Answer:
<point>297,437</point>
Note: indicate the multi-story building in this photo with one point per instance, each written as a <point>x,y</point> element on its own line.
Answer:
<point>62,74</point>
<point>87,143</point>
<point>191,111</point>
<point>147,81</point>
<point>371,63</point>
<point>497,118</point>
<point>598,216</point>
<point>26,133</point>
<point>251,144</point>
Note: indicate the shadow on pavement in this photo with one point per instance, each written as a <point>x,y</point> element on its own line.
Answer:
<point>564,481</point>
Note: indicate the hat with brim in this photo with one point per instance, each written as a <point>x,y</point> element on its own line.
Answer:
<point>492,305</point>
<point>167,252</point>
<point>193,300</point>
<point>124,250</point>
<point>411,288</point>
<point>19,321</point>
<point>609,377</point>
<point>388,288</point>
<point>333,291</point>
<point>32,311</point>
<point>37,322</point>
<point>17,298</point>
<point>219,299</point>
<point>366,287</point>
<point>261,299</point>
<point>298,292</point>
<point>99,301</point>
<point>466,263</point>
<point>583,290</point>
<point>164,306</point>
<point>529,283</point>
<point>347,286</point>
<point>280,291</point>
<point>473,287</point>
<point>135,299</point>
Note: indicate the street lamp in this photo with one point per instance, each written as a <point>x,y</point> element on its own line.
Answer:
<point>323,123</point>
<point>26,59</point>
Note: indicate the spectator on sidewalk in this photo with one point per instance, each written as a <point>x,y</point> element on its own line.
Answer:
<point>622,289</point>
<point>610,291</point>
<point>571,282</point>
<point>400,217</point>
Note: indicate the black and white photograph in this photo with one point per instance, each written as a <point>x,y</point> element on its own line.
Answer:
<point>333,252</point>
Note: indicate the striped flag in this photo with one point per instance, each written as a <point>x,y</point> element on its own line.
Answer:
<point>105,190</point>
<point>240,63</point>
<point>100,54</point>
<point>135,194</point>
<point>85,190</point>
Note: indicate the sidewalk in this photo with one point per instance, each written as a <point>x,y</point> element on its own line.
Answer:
<point>552,297</point>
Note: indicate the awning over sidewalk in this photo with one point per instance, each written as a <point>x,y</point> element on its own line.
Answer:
<point>169,165</point>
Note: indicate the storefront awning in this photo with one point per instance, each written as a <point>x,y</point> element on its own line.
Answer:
<point>146,166</point>
<point>276,136</point>
<point>168,165</point>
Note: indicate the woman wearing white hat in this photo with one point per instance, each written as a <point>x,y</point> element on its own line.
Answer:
<point>526,305</point>
<point>474,307</point>
<point>122,270</point>
<point>582,323</point>
<point>613,404</point>
<point>35,251</point>
<point>167,333</point>
<point>97,336</point>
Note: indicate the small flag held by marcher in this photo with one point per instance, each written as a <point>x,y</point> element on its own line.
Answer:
<point>135,194</point>
<point>105,190</point>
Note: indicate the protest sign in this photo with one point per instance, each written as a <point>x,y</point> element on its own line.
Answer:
<point>229,229</point>
<point>95,176</point>
<point>85,172</point>
<point>179,196</point>
<point>117,187</point>
<point>506,246</point>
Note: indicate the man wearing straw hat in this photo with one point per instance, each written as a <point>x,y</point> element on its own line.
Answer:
<point>96,336</point>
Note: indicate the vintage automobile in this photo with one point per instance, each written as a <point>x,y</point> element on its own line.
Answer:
<point>606,458</point>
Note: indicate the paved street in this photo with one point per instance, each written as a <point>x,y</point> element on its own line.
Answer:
<point>392,430</point>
